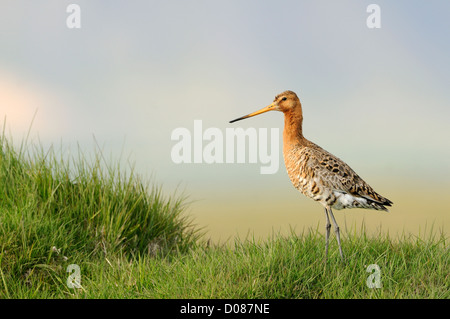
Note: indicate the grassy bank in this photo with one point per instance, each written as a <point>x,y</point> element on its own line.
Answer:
<point>130,241</point>
<point>52,208</point>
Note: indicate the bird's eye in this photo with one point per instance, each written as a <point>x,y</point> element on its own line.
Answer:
<point>284,99</point>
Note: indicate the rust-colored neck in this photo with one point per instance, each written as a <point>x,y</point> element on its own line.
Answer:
<point>292,133</point>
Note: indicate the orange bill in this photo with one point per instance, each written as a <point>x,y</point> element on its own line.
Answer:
<point>271,107</point>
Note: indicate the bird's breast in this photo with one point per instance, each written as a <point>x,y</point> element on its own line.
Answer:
<point>301,173</point>
<point>302,170</point>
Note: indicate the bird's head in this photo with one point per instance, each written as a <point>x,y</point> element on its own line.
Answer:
<point>283,102</point>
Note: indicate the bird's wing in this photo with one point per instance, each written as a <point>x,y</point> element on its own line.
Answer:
<point>337,175</point>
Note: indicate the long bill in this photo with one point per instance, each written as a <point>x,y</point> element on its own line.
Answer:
<point>268,108</point>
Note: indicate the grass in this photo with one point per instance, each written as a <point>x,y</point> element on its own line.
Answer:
<point>130,241</point>
<point>283,267</point>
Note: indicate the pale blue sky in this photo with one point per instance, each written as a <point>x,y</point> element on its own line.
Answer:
<point>377,98</point>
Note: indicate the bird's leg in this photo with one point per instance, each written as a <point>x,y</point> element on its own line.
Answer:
<point>338,237</point>
<point>327,235</point>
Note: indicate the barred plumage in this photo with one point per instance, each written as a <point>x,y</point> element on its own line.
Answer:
<point>328,180</point>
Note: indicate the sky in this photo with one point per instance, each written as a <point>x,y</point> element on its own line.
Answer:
<point>134,72</point>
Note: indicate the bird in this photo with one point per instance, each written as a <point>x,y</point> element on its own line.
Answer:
<point>316,173</point>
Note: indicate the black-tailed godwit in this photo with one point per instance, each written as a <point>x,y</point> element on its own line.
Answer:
<point>315,172</point>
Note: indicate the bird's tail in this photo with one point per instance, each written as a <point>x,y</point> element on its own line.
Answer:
<point>379,204</point>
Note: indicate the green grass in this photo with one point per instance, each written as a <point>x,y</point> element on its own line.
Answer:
<point>130,241</point>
